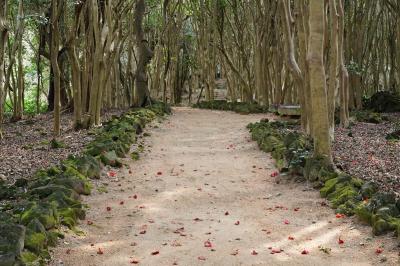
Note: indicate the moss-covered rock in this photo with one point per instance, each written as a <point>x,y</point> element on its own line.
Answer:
<point>47,190</point>
<point>363,212</point>
<point>341,195</point>
<point>46,213</point>
<point>35,242</point>
<point>329,187</point>
<point>318,169</point>
<point>393,136</point>
<point>11,243</point>
<point>368,189</point>
<point>30,259</point>
<point>368,117</point>
<point>79,186</point>
<point>238,107</point>
<point>86,165</point>
<point>110,158</point>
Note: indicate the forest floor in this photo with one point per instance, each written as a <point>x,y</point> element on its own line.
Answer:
<point>364,152</point>
<point>202,193</point>
<point>26,144</point>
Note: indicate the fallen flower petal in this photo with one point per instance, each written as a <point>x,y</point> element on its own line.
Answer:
<point>305,252</point>
<point>254,252</point>
<point>155,252</point>
<point>286,222</point>
<point>159,173</point>
<point>227,213</point>
<point>100,251</point>
<point>201,258</point>
<point>134,261</point>
<point>340,241</point>
<point>274,174</point>
<point>291,238</point>
<point>108,209</point>
<point>273,251</point>
<point>378,251</point>
<point>207,244</point>
<point>112,174</point>
<point>121,203</point>
<point>339,215</point>
<point>237,223</point>
<point>89,222</point>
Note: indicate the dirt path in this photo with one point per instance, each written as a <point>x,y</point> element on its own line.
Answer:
<point>202,182</point>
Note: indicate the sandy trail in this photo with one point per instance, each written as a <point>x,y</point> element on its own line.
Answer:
<point>202,181</point>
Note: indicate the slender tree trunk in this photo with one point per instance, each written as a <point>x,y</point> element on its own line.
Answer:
<point>145,55</point>
<point>320,110</point>
<point>55,43</point>
<point>3,41</point>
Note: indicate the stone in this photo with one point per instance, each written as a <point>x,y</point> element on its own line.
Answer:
<point>111,159</point>
<point>11,243</point>
<point>46,213</point>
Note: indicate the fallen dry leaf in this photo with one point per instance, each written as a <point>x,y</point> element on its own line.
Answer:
<point>235,252</point>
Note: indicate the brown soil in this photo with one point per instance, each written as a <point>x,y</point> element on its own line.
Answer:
<point>202,182</point>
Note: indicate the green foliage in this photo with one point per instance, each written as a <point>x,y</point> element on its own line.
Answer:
<point>368,117</point>
<point>383,102</point>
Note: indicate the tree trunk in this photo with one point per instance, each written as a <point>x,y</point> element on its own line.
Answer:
<point>320,111</point>
<point>145,55</point>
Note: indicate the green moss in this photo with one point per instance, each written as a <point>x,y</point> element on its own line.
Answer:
<point>79,186</point>
<point>30,259</point>
<point>110,158</point>
<point>35,242</point>
<point>46,213</point>
<point>347,207</point>
<point>238,107</point>
<point>329,187</point>
<point>380,227</point>
<point>368,189</point>
<point>363,213</point>
<point>342,195</point>
<point>135,156</point>
<point>318,169</point>
<point>55,144</point>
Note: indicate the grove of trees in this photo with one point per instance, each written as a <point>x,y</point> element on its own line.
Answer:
<point>87,56</point>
